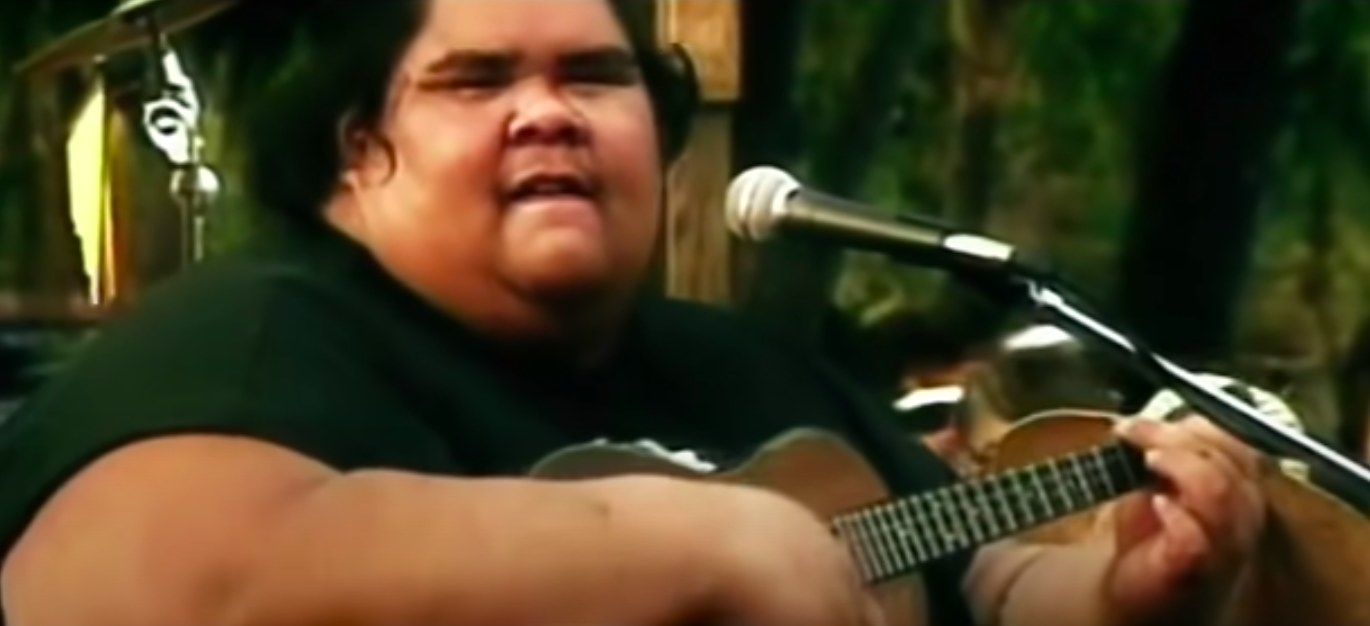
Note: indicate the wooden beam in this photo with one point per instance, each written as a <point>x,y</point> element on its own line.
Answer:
<point>699,250</point>
<point>711,31</point>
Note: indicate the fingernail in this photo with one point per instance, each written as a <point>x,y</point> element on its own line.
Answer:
<point>1151,457</point>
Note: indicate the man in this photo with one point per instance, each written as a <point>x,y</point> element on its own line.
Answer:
<point>331,430</point>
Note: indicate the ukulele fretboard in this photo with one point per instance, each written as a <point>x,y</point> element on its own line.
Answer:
<point>898,536</point>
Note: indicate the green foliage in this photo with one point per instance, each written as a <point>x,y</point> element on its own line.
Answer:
<point>1078,96</point>
<point>1080,82</point>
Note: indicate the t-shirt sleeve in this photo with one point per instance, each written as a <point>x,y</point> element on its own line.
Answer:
<point>257,362</point>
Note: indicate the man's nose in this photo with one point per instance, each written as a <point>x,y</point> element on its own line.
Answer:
<point>545,115</point>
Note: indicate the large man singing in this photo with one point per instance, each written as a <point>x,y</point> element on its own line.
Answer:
<point>331,427</point>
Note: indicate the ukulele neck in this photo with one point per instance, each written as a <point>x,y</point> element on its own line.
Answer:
<point>896,537</point>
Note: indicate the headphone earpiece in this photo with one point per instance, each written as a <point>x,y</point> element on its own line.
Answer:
<point>674,87</point>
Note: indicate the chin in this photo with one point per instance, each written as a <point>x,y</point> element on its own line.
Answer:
<point>568,276</point>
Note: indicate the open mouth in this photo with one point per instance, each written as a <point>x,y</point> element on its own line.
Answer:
<point>549,186</point>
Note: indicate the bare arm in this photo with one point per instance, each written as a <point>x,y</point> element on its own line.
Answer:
<point>212,530</point>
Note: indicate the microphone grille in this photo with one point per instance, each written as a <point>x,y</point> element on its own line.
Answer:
<point>757,201</point>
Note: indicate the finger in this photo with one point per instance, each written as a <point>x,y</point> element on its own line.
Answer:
<point>1246,458</point>
<point>1152,435</point>
<point>1184,542</point>
<point>1203,488</point>
<point>1248,503</point>
<point>874,614</point>
<point>1134,520</point>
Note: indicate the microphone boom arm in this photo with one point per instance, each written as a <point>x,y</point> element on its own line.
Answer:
<point>1345,478</point>
<point>764,201</point>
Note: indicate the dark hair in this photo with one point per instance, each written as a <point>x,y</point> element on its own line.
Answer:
<point>305,71</point>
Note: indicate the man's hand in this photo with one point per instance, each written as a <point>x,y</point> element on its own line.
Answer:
<point>1180,548</point>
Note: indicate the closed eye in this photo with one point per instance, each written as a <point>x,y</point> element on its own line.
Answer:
<point>470,69</point>
<point>467,81</point>
<point>605,66</point>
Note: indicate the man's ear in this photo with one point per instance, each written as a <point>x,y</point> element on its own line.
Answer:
<point>363,155</point>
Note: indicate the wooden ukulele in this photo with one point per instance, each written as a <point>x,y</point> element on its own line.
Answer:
<point>1050,475</point>
<point>890,536</point>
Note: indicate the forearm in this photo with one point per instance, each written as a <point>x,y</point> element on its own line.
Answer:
<point>387,548</point>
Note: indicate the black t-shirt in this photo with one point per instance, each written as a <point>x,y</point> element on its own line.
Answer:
<point>308,344</point>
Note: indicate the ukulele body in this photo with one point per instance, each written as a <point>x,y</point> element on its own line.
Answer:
<point>814,468</point>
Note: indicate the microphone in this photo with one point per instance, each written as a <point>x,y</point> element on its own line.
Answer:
<point>764,202</point>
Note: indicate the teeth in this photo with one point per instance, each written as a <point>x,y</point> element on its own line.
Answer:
<point>552,187</point>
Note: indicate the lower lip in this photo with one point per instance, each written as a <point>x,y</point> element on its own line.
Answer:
<point>558,208</point>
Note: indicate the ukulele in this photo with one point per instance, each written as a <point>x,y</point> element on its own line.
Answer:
<point>1311,564</point>
<point>891,536</point>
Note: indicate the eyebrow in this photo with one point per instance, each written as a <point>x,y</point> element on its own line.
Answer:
<point>608,57</point>
<point>602,57</point>
<point>473,60</point>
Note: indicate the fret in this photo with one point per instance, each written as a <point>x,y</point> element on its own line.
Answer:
<point>902,556</point>
<point>987,505</point>
<point>874,539</point>
<point>956,516</point>
<point>856,541</point>
<point>870,548</point>
<point>1004,503</point>
<point>937,532</point>
<point>889,534</point>
<point>1045,494</point>
<point>1023,496</point>
<point>1097,455</point>
<point>1126,459</point>
<point>1081,473</point>
<point>853,539</point>
<point>1105,473</point>
<point>885,540</point>
<point>1056,503</point>
<point>972,514</point>
<point>1062,483</point>
<point>1036,495</point>
<point>915,527</point>
<point>956,522</point>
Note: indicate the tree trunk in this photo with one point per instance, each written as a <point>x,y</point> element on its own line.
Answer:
<point>982,83</point>
<point>791,286</point>
<point>1187,248</point>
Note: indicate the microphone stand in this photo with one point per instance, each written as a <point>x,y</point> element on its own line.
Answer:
<point>1345,478</point>
<point>171,119</point>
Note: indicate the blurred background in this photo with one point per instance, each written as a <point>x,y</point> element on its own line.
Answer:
<point>1198,169</point>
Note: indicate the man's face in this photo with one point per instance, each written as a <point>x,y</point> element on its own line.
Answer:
<point>526,168</point>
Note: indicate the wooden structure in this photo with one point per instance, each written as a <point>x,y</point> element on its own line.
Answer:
<point>699,252</point>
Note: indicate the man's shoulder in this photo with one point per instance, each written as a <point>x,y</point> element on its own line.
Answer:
<point>238,289</point>
<point>209,326</point>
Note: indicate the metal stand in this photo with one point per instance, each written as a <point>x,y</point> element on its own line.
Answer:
<point>1345,478</point>
<point>171,118</point>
